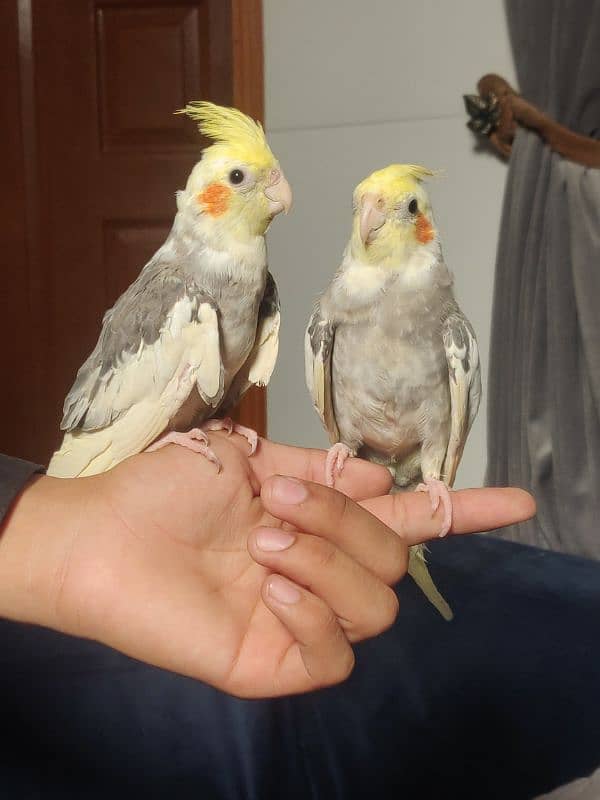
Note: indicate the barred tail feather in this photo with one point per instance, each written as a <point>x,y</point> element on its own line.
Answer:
<point>417,569</point>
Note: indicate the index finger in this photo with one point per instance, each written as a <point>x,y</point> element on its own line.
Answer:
<point>359,480</point>
<point>473,511</point>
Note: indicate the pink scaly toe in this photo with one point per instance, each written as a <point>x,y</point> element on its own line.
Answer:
<point>336,458</point>
<point>227,424</point>
<point>438,493</point>
<point>194,439</point>
<point>248,434</point>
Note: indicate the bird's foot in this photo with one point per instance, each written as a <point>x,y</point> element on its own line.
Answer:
<point>227,424</point>
<point>438,493</point>
<point>334,463</point>
<point>195,440</point>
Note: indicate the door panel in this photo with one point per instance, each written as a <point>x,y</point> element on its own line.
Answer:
<point>151,60</point>
<point>126,245</point>
<point>101,155</point>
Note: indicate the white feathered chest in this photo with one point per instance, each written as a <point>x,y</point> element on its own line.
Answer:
<point>389,370</point>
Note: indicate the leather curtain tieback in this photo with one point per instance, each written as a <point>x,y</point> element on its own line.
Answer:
<point>498,110</point>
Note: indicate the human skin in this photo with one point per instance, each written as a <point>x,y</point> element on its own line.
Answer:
<point>254,583</point>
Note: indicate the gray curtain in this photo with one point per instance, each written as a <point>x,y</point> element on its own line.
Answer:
<point>544,384</point>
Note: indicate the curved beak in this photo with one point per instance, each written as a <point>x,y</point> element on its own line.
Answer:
<point>372,216</point>
<point>278,193</point>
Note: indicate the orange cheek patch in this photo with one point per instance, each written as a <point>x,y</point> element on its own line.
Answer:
<point>424,229</point>
<point>215,199</point>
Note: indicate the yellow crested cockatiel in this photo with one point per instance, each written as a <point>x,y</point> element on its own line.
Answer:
<point>391,362</point>
<point>200,324</point>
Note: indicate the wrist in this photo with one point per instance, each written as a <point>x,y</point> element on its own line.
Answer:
<point>34,539</point>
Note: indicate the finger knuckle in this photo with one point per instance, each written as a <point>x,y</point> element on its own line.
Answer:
<point>330,628</point>
<point>339,668</point>
<point>382,617</point>
<point>337,503</point>
<point>397,562</point>
<point>328,556</point>
<point>323,553</point>
<point>345,507</point>
<point>346,663</point>
<point>389,609</point>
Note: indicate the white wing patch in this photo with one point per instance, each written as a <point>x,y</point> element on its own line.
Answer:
<point>462,355</point>
<point>315,376</point>
<point>266,350</point>
<point>143,391</point>
<point>318,348</point>
<point>186,351</point>
<point>206,354</point>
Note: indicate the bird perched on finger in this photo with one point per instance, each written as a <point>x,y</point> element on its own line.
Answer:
<point>392,363</point>
<point>199,325</point>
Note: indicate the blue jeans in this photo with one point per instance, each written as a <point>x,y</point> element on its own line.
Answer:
<point>503,702</point>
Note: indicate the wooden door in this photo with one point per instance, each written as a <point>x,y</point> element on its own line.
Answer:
<point>94,155</point>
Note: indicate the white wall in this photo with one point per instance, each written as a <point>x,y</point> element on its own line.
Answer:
<point>350,87</point>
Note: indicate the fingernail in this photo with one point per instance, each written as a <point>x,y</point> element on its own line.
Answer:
<point>272,539</point>
<point>288,490</point>
<point>283,591</point>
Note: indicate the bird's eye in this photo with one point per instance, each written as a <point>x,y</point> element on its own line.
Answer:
<point>413,206</point>
<point>236,176</point>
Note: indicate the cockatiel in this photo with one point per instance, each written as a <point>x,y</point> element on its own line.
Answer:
<point>391,362</point>
<point>200,324</point>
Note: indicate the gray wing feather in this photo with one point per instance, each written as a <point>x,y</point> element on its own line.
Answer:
<point>462,355</point>
<point>260,363</point>
<point>270,306</point>
<point>318,349</point>
<point>135,321</point>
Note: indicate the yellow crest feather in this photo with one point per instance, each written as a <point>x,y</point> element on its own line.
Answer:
<point>395,178</point>
<point>413,171</point>
<point>234,133</point>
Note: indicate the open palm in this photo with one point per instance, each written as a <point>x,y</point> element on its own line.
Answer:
<point>253,583</point>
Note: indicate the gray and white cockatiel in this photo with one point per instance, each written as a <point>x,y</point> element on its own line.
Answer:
<point>200,324</point>
<point>391,362</point>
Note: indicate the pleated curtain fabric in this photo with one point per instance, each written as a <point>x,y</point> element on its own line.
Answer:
<point>544,370</point>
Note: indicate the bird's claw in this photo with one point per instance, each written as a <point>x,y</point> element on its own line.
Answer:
<point>227,424</point>
<point>438,493</point>
<point>194,439</point>
<point>336,458</point>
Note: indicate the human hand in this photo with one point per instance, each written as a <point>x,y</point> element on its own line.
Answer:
<point>161,559</point>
